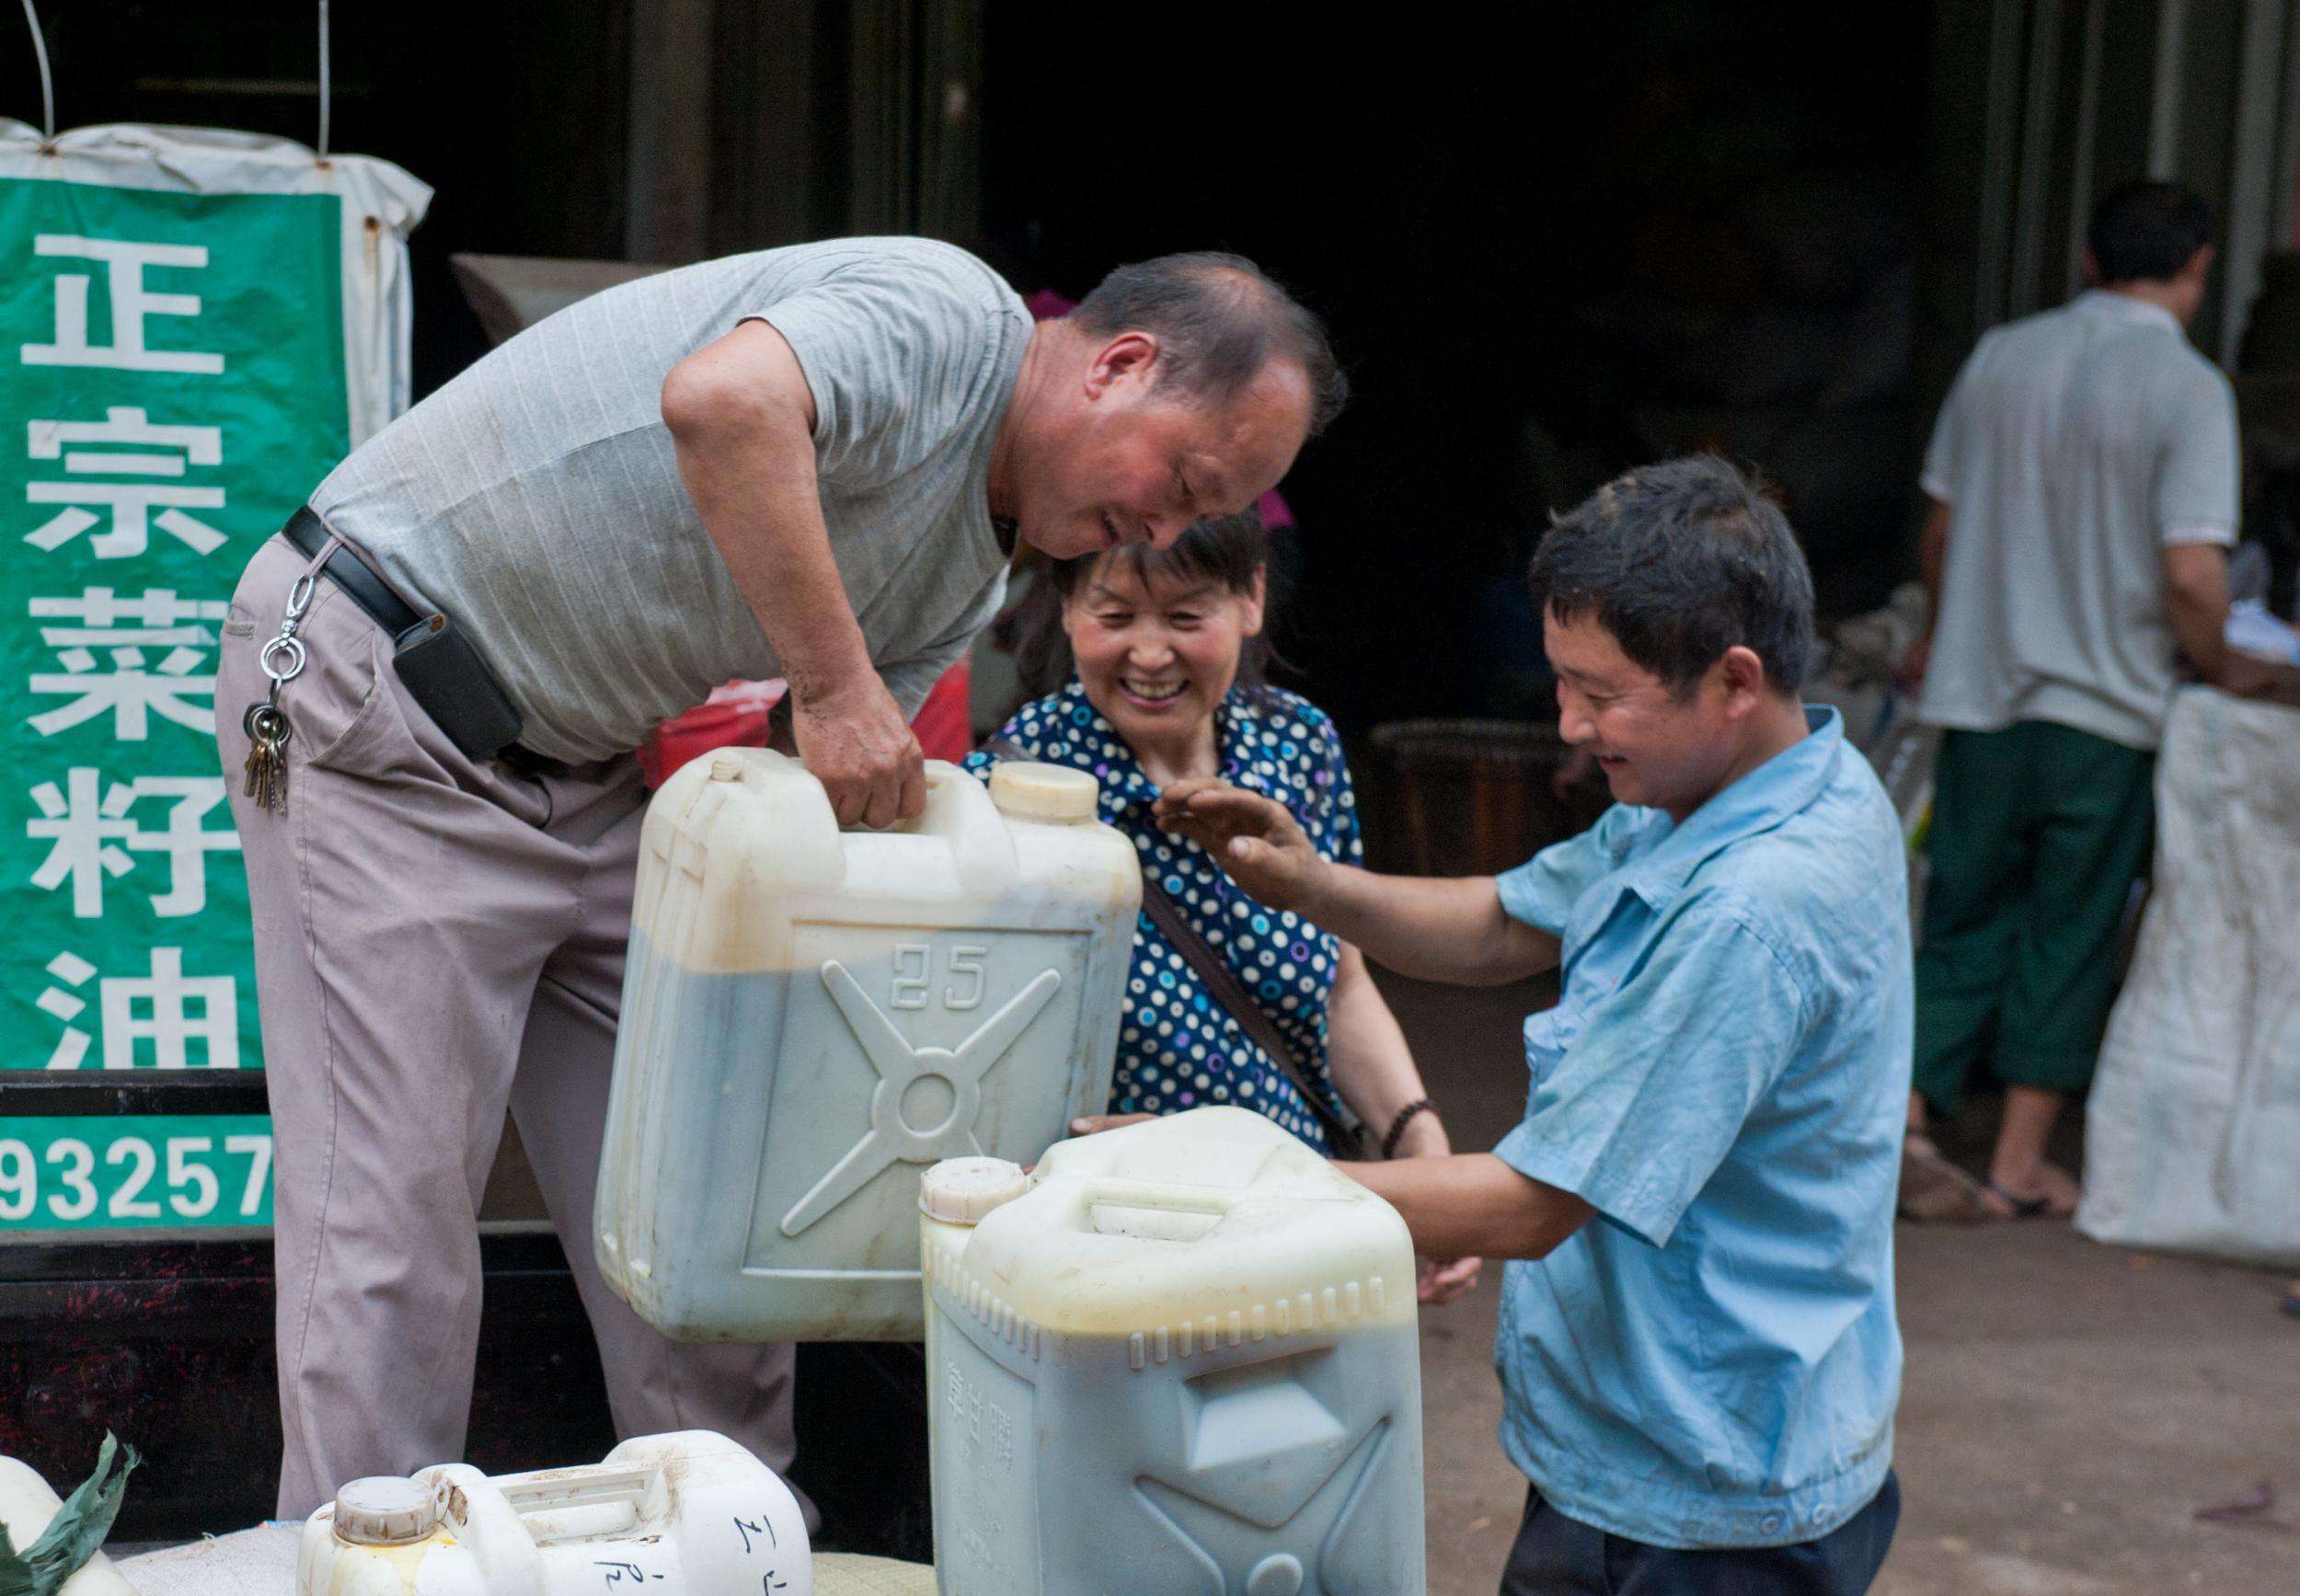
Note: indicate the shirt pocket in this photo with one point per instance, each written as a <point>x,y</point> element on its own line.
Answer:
<point>1548,1035</point>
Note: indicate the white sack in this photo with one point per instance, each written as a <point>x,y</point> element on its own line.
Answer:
<point>2192,1138</point>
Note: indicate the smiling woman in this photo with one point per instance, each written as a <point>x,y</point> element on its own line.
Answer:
<point>1152,663</point>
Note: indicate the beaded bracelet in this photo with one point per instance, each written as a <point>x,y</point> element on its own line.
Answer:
<point>1405,1118</point>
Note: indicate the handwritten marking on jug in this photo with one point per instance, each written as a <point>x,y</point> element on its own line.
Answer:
<point>915,977</point>
<point>747,1528</point>
<point>618,1573</point>
<point>899,1066</point>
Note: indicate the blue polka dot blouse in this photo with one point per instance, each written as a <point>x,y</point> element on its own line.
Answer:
<point>1178,1047</point>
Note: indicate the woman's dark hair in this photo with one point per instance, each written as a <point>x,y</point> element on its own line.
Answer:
<point>1228,550</point>
<point>1680,562</point>
<point>2145,232</point>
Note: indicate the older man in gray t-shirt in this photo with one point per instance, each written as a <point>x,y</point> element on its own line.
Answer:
<point>2083,480</point>
<point>809,463</point>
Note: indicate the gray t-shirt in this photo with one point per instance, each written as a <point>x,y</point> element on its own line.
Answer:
<point>537,500</point>
<point>2075,446</point>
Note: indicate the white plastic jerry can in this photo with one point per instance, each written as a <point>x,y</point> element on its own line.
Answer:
<point>1179,1360</point>
<point>811,1017</point>
<point>690,1514</point>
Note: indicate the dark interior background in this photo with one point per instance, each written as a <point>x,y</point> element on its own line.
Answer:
<point>1552,241</point>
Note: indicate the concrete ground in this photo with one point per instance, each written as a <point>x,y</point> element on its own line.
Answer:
<point>2066,1407</point>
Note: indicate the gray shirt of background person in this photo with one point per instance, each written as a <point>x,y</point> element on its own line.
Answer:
<point>536,500</point>
<point>2073,447</point>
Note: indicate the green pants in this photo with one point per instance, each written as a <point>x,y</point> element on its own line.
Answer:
<point>2038,833</point>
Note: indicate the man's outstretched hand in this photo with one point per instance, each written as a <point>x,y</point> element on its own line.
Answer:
<point>1254,839</point>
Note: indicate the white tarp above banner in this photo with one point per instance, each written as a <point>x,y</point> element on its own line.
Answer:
<point>382,205</point>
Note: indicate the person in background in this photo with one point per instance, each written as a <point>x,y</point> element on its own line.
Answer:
<point>2083,488</point>
<point>1152,663</point>
<point>1699,1386</point>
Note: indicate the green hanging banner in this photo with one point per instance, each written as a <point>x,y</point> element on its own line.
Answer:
<point>194,328</point>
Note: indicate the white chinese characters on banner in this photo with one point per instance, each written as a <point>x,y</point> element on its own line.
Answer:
<point>127,505</point>
<point>131,301</point>
<point>114,476</point>
<point>91,838</point>
<point>196,326</point>
<point>165,1008</point>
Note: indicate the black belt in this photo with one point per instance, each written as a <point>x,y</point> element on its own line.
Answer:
<point>349,572</point>
<point>440,667</point>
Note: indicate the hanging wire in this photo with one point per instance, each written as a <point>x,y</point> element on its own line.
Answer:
<point>47,83</point>
<point>326,98</point>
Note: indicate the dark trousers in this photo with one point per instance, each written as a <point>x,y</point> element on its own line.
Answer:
<point>2037,834</point>
<point>1556,1556</point>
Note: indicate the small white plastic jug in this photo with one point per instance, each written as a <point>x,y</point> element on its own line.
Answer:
<point>811,1017</point>
<point>690,1514</point>
<point>1179,1358</point>
<point>27,1505</point>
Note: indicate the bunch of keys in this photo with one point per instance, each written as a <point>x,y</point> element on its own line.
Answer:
<point>268,733</point>
<point>266,723</point>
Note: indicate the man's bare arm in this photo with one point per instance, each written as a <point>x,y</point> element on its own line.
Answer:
<point>1432,927</point>
<point>741,420</point>
<point>1473,1205</point>
<point>2196,602</point>
<point>1437,928</point>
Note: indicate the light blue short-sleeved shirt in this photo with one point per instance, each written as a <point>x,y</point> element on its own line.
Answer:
<point>1714,1362</point>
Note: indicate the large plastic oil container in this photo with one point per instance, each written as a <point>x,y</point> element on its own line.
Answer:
<point>1179,1358</point>
<point>693,1513</point>
<point>812,1017</point>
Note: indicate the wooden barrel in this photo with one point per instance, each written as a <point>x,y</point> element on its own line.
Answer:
<point>1473,797</point>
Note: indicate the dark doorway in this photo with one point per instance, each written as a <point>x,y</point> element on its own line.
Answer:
<point>1553,241</point>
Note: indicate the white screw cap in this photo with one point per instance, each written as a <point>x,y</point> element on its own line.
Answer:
<point>382,1511</point>
<point>964,1190</point>
<point>1044,792</point>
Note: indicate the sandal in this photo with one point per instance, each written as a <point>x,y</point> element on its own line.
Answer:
<point>1935,1191</point>
<point>2023,1206</point>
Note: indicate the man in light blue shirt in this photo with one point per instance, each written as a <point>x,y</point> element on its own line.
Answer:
<point>1699,1386</point>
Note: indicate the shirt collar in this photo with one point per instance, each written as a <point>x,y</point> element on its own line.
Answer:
<point>2106,302</point>
<point>1781,787</point>
<point>1125,784</point>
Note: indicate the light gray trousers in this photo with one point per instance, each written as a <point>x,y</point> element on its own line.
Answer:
<point>436,940</point>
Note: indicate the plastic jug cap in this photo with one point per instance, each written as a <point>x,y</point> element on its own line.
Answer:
<point>382,1511</point>
<point>1044,792</point>
<point>964,1190</point>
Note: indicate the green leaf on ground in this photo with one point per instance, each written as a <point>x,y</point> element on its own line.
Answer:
<point>73,1535</point>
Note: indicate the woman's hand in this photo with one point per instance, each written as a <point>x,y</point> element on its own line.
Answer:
<point>1438,1282</point>
<point>1254,839</point>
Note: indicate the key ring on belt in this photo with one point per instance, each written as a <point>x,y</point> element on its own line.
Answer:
<point>287,645</point>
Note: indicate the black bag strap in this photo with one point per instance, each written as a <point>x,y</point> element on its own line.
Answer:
<point>1222,983</point>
